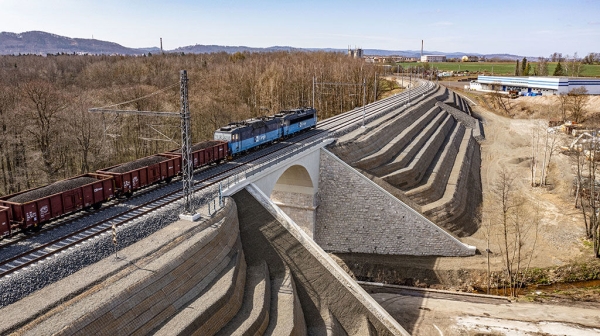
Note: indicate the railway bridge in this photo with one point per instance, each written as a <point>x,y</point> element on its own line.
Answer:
<point>401,185</point>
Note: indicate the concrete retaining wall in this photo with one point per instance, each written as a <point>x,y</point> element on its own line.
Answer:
<point>320,282</point>
<point>356,215</point>
<point>412,174</point>
<point>436,182</point>
<point>286,314</point>
<point>456,197</point>
<point>403,132</point>
<point>253,316</point>
<point>443,121</point>
<point>378,119</point>
<point>461,116</point>
<point>386,129</point>
<point>214,308</point>
<point>136,292</point>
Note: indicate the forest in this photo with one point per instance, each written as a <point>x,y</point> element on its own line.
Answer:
<point>47,133</point>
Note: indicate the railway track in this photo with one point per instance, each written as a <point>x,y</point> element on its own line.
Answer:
<point>376,108</point>
<point>46,250</point>
<point>76,238</point>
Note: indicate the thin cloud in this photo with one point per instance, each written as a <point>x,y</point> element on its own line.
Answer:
<point>443,23</point>
<point>594,23</point>
<point>369,37</point>
<point>433,11</point>
<point>544,32</point>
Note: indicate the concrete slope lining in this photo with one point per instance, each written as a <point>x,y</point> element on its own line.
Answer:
<point>210,311</point>
<point>415,144</point>
<point>286,316</point>
<point>433,189</point>
<point>253,316</point>
<point>412,174</point>
<point>352,149</point>
<point>405,130</point>
<point>126,294</point>
<point>319,280</point>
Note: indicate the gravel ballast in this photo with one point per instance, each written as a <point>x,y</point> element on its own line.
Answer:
<point>137,164</point>
<point>200,146</point>
<point>33,278</point>
<point>54,188</point>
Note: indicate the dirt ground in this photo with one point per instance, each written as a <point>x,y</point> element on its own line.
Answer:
<point>436,315</point>
<point>508,146</point>
<point>548,107</point>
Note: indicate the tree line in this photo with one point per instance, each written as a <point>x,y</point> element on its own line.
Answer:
<point>565,65</point>
<point>47,133</point>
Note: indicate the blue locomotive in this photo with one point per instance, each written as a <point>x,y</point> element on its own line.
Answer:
<point>248,134</point>
<point>294,121</point>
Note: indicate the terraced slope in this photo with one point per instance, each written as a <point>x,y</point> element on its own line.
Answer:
<point>206,278</point>
<point>429,152</point>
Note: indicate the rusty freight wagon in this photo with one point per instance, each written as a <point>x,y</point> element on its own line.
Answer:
<point>37,206</point>
<point>137,174</point>
<point>4,221</point>
<point>206,152</point>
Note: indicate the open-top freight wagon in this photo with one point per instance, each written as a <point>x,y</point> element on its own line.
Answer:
<point>34,207</point>
<point>4,221</point>
<point>137,174</point>
<point>206,152</point>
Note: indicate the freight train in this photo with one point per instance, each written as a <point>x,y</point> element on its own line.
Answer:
<point>33,208</point>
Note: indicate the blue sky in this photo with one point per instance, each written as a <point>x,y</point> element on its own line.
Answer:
<point>531,28</point>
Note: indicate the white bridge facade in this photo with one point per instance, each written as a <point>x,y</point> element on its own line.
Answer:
<point>291,183</point>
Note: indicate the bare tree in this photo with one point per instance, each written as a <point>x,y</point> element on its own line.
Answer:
<point>541,68</point>
<point>500,100</point>
<point>550,148</point>
<point>574,65</point>
<point>45,134</point>
<point>44,105</point>
<point>556,57</point>
<point>563,100</point>
<point>518,224</point>
<point>577,99</point>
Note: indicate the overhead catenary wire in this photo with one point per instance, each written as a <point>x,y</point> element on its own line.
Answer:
<point>139,98</point>
<point>184,114</point>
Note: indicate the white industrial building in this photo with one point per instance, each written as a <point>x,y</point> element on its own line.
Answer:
<point>433,58</point>
<point>535,85</point>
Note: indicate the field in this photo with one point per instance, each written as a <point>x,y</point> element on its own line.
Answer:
<point>499,68</point>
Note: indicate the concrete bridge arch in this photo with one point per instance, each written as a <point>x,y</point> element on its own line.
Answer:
<point>293,186</point>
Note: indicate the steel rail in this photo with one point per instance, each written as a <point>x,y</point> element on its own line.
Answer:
<point>58,245</point>
<point>33,256</point>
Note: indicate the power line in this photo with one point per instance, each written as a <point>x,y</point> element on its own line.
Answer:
<point>187,167</point>
<point>139,98</point>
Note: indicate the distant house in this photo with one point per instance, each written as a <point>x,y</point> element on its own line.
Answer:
<point>433,58</point>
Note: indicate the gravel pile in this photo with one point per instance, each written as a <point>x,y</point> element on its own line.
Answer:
<point>200,146</point>
<point>137,164</point>
<point>52,189</point>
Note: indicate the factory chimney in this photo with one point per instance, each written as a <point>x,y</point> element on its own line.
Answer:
<point>421,48</point>
<point>161,49</point>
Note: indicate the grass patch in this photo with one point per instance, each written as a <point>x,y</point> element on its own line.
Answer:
<point>499,68</point>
